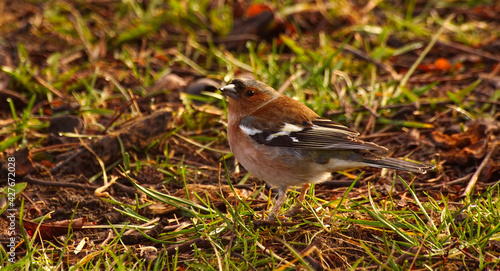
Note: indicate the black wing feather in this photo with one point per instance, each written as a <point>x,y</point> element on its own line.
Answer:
<point>319,134</point>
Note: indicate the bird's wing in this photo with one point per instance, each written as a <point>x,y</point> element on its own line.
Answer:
<point>316,134</point>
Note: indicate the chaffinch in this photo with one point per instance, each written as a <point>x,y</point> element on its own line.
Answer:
<point>285,143</point>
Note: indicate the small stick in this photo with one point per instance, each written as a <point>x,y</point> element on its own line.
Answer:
<point>474,177</point>
<point>470,50</point>
<point>32,180</point>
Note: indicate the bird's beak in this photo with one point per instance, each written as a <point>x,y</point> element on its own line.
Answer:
<point>230,91</point>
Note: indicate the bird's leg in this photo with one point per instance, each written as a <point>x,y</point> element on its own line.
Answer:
<point>303,192</point>
<point>279,202</point>
<point>298,204</point>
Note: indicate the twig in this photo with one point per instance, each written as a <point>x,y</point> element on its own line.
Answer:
<point>474,177</point>
<point>460,180</point>
<point>469,50</point>
<point>32,180</point>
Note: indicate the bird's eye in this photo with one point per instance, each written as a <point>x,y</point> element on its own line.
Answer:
<point>249,93</point>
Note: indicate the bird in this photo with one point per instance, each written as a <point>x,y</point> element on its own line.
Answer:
<point>285,143</point>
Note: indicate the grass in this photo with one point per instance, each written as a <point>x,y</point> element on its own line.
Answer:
<point>99,62</point>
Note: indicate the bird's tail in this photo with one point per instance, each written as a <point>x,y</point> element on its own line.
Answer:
<point>393,163</point>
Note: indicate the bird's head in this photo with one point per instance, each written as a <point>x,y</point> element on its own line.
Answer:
<point>247,95</point>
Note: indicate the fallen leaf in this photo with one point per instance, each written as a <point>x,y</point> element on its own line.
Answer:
<point>53,229</point>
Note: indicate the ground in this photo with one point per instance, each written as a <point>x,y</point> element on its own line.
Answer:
<point>111,121</point>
